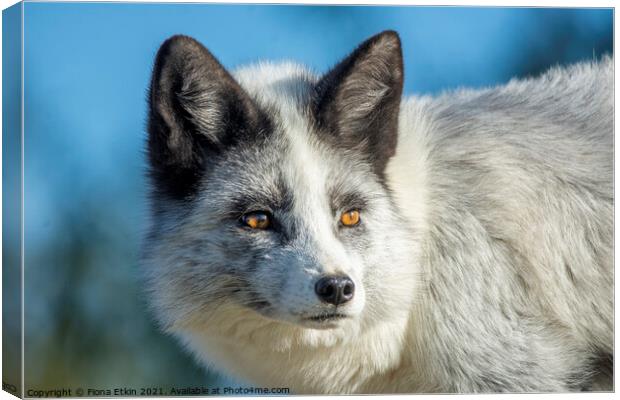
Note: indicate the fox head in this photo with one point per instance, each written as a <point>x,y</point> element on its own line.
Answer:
<point>271,208</point>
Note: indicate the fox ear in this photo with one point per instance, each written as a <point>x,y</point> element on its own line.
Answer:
<point>195,109</point>
<point>358,100</point>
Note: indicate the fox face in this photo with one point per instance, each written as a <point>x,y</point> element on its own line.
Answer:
<point>269,194</point>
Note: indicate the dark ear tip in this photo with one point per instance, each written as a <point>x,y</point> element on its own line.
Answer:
<point>180,40</point>
<point>178,44</point>
<point>390,34</point>
<point>176,54</point>
<point>388,37</point>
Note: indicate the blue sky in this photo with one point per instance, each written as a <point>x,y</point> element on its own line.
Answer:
<point>88,64</point>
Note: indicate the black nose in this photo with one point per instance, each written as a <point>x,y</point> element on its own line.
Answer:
<point>335,289</point>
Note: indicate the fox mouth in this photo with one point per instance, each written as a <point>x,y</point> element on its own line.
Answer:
<point>326,317</point>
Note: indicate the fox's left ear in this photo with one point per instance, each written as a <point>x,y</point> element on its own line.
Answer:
<point>358,101</point>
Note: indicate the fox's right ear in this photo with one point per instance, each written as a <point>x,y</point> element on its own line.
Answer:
<point>196,109</point>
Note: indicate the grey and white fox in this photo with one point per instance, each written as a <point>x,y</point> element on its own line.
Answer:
<point>325,234</point>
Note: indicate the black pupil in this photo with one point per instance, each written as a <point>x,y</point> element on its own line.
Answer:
<point>260,218</point>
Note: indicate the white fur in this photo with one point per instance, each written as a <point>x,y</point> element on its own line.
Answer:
<point>506,188</point>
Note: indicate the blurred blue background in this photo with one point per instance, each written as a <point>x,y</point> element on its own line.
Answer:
<point>87,68</point>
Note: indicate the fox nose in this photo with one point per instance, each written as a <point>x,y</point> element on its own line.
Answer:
<point>335,290</point>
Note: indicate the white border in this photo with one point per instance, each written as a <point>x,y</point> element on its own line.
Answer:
<point>479,3</point>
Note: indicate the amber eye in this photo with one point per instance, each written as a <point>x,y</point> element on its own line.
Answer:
<point>256,220</point>
<point>350,218</point>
